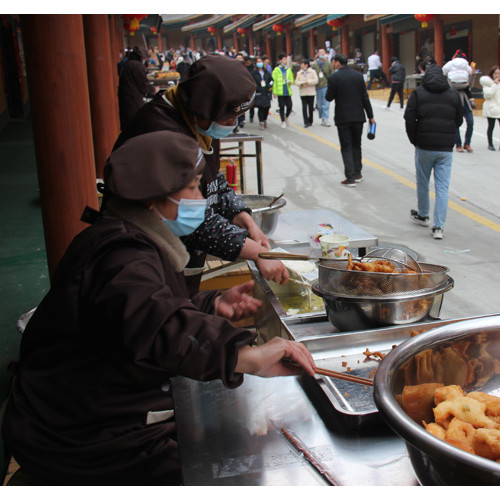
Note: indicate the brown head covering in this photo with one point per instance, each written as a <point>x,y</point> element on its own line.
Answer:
<point>153,166</point>
<point>217,88</point>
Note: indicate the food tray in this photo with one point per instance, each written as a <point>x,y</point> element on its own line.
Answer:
<point>353,404</point>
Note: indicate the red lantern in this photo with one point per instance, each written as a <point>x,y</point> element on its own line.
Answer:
<point>424,19</point>
<point>334,23</point>
<point>132,22</point>
<point>279,28</point>
<point>212,30</point>
<point>242,31</point>
<point>154,30</point>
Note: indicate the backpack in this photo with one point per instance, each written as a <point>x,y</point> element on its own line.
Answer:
<point>458,85</point>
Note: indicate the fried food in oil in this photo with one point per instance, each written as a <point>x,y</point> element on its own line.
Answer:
<point>376,266</point>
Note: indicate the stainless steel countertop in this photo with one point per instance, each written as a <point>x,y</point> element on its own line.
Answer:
<point>294,228</point>
<point>232,437</point>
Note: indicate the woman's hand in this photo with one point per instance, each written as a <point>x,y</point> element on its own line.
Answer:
<point>273,270</point>
<point>271,359</point>
<point>236,303</point>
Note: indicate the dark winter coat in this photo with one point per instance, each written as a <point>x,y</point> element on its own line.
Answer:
<point>263,94</point>
<point>397,72</point>
<point>133,87</point>
<point>433,113</point>
<point>348,89</point>
<point>90,401</point>
<point>216,236</point>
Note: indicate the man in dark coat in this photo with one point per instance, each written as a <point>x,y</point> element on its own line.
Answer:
<point>398,74</point>
<point>348,88</point>
<point>92,402</point>
<point>432,116</point>
<point>215,91</point>
<point>133,86</point>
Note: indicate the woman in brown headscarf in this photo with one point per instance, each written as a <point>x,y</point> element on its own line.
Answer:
<point>205,106</point>
<point>92,403</point>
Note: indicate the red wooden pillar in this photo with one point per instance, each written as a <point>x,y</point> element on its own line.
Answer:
<point>116,43</point>
<point>269,50</point>
<point>288,41</point>
<point>59,95</point>
<point>438,41</point>
<point>236,45</point>
<point>101,89</point>
<point>192,42</point>
<point>344,39</point>
<point>250,42</point>
<point>219,39</point>
<point>312,38</point>
<point>160,41</point>
<point>385,50</point>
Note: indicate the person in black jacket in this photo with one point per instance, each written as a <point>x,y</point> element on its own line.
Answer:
<point>348,88</point>
<point>263,93</point>
<point>398,73</point>
<point>133,86</point>
<point>432,116</point>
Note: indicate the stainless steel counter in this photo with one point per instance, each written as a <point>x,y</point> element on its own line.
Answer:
<point>295,227</point>
<point>232,437</point>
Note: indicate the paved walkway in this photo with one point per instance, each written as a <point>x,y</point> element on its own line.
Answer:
<point>306,165</point>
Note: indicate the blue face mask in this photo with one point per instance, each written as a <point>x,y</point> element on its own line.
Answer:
<point>190,215</point>
<point>260,65</point>
<point>216,130</point>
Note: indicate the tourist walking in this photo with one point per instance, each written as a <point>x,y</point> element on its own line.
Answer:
<point>433,113</point>
<point>459,72</point>
<point>306,80</point>
<point>347,87</point>
<point>282,88</point>
<point>491,105</point>
<point>263,93</point>
<point>324,69</point>
<point>398,73</point>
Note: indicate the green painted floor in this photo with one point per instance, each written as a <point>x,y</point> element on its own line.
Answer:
<point>24,278</point>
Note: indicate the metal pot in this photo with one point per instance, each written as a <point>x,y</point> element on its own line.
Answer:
<point>364,313</point>
<point>436,462</point>
<point>264,213</point>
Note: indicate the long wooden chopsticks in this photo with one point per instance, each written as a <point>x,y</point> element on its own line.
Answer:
<point>344,376</point>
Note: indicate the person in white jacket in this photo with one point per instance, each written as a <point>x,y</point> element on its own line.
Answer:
<point>459,72</point>
<point>306,80</point>
<point>491,105</point>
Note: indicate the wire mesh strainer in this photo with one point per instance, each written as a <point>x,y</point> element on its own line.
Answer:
<point>400,259</point>
<point>335,279</point>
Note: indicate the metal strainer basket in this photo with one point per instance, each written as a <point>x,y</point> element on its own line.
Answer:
<point>334,279</point>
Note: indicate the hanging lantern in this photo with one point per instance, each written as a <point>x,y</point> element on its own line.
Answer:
<point>334,23</point>
<point>242,31</point>
<point>154,30</point>
<point>279,28</point>
<point>212,30</point>
<point>424,19</point>
<point>132,22</point>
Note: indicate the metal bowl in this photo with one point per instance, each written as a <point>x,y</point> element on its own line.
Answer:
<point>265,216</point>
<point>468,342</point>
<point>364,313</point>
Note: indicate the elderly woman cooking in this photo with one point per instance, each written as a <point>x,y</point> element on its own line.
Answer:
<point>91,403</point>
